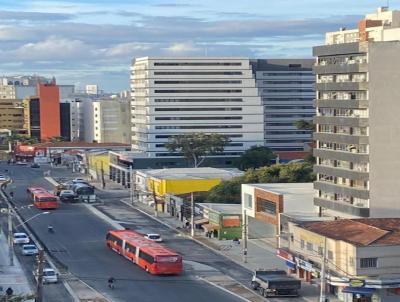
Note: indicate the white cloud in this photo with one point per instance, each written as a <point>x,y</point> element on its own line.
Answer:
<point>182,48</point>
<point>126,49</point>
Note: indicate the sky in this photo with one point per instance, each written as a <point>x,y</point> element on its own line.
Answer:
<point>94,41</point>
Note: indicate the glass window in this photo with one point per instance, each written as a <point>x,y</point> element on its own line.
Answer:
<point>368,262</point>
<point>248,201</point>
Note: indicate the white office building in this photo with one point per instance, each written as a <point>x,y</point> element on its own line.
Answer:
<point>174,96</point>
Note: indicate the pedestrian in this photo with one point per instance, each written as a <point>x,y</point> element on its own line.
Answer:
<point>9,292</point>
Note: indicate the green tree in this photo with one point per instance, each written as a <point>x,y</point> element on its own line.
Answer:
<point>196,147</point>
<point>20,138</point>
<point>305,125</point>
<point>255,157</point>
<point>229,191</point>
<point>56,139</point>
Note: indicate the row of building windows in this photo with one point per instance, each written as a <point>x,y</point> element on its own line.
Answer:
<point>363,149</point>
<point>201,109</point>
<point>355,201</point>
<point>200,82</point>
<point>196,118</point>
<point>201,127</point>
<point>342,78</point>
<point>287,132</point>
<point>343,164</point>
<point>287,140</point>
<point>287,74</point>
<point>198,100</point>
<point>342,95</point>
<point>197,64</point>
<point>272,107</point>
<point>198,90</point>
<point>342,60</point>
<point>202,73</point>
<point>346,130</point>
<point>343,112</point>
<point>228,145</point>
<point>227,135</point>
<point>361,184</point>
<point>219,154</point>
<point>288,82</point>
<point>288,90</point>
<point>293,115</point>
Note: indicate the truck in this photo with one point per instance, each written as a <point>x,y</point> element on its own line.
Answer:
<point>275,283</point>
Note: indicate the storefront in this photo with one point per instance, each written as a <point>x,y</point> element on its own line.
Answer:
<point>289,260</point>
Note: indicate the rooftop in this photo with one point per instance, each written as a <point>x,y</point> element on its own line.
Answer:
<point>78,145</point>
<point>223,208</point>
<point>360,232</point>
<point>193,173</point>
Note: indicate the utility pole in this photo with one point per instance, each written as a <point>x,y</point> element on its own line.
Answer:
<point>323,275</point>
<point>10,237</point>
<point>39,286</point>
<point>103,182</point>
<point>244,232</point>
<point>191,214</point>
<point>131,183</point>
<point>155,199</point>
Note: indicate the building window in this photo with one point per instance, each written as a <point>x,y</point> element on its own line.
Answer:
<point>351,261</point>
<point>302,244</point>
<point>248,201</point>
<point>266,206</point>
<point>309,246</point>
<point>330,255</point>
<point>320,250</point>
<point>368,262</point>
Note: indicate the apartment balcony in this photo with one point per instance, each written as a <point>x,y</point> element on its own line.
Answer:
<point>346,104</point>
<point>341,155</point>
<point>341,189</point>
<point>342,207</point>
<point>340,68</point>
<point>342,121</point>
<point>342,86</point>
<point>340,49</point>
<point>341,138</point>
<point>340,172</point>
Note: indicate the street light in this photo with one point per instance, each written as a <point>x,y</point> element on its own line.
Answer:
<point>10,232</point>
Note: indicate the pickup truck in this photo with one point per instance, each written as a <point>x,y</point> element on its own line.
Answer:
<point>275,283</point>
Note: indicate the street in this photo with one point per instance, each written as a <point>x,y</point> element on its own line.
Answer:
<point>78,242</point>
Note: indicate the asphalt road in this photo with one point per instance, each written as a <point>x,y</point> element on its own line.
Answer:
<point>78,242</point>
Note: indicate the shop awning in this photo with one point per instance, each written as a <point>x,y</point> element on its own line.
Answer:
<point>290,265</point>
<point>210,227</point>
<point>359,290</point>
<point>201,221</point>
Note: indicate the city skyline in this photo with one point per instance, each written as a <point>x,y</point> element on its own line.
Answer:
<point>95,41</point>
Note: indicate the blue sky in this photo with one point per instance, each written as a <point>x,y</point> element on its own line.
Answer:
<point>91,41</point>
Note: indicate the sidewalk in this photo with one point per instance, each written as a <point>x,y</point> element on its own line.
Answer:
<point>261,254</point>
<point>12,276</point>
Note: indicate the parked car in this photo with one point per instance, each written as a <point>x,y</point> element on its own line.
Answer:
<point>67,196</point>
<point>49,275</point>
<point>29,250</point>
<point>2,177</point>
<point>35,165</point>
<point>19,238</point>
<point>154,237</point>
<point>21,163</point>
<point>76,180</point>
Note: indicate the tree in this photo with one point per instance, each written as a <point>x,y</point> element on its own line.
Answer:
<point>229,191</point>
<point>20,138</point>
<point>196,147</point>
<point>255,157</point>
<point>56,139</point>
<point>305,125</point>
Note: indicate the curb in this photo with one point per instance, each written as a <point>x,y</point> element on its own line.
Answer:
<point>223,289</point>
<point>71,292</point>
<point>104,217</point>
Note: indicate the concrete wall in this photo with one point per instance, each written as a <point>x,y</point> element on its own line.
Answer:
<point>384,98</point>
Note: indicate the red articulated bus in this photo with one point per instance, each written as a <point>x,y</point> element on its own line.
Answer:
<point>42,199</point>
<point>151,256</point>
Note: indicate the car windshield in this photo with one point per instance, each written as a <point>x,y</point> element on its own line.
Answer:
<point>49,273</point>
<point>154,236</point>
<point>29,247</point>
<point>20,236</point>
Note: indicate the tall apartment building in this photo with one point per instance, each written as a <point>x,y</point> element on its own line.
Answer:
<point>287,90</point>
<point>11,114</point>
<point>358,110</point>
<point>173,96</point>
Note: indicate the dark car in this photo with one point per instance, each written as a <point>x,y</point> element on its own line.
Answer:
<point>35,165</point>
<point>67,196</point>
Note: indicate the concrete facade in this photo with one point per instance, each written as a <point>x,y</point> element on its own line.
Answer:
<point>174,96</point>
<point>357,132</point>
<point>287,90</point>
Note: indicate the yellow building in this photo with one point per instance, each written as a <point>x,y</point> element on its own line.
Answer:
<point>362,256</point>
<point>96,162</point>
<point>179,181</point>
<point>11,114</point>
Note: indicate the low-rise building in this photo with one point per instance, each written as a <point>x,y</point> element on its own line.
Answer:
<point>263,203</point>
<point>362,256</point>
<point>224,220</point>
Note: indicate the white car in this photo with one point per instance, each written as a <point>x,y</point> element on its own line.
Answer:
<point>22,163</point>
<point>79,180</point>
<point>153,237</point>
<point>29,250</point>
<point>49,275</point>
<point>19,238</point>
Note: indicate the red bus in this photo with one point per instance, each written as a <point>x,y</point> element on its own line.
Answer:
<point>42,199</point>
<point>151,256</point>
